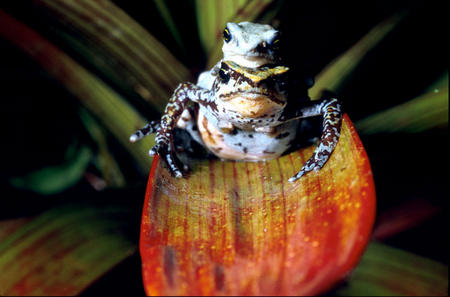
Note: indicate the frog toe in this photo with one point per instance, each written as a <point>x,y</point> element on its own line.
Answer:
<point>174,165</point>
<point>310,165</point>
<point>150,128</point>
<point>153,151</point>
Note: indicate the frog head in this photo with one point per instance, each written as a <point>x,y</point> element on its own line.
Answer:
<point>250,45</point>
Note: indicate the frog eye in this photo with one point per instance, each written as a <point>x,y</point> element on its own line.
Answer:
<point>224,76</point>
<point>226,35</point>
<point>276,44</point>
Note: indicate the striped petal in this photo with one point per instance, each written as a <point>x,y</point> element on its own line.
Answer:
<point>237,228</point>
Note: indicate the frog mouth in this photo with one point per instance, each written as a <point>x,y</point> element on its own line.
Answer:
<point>259,97</point>
<point>252,61</point>
<point>253,105</point>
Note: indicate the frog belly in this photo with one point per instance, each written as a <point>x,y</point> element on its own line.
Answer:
<point>245,145</point>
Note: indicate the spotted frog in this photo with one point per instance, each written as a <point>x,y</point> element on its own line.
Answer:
<point>247,107</point>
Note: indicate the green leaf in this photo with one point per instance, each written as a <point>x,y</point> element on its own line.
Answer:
<point>440,84</point>
<point>104,160</point>
<point>63,250</point>
<point>429,110</point>
<point>117,115</point>
<point>169,21</point>
<point>387,271</point>
<point>130,53</point>
<point>334,75</point>
<point>54,179</point>
<point>425,112</point>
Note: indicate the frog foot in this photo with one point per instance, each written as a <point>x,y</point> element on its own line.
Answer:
<point>330,135</point>
<point>321,155</point>
<point>310,165</point>
<point>168,155</point>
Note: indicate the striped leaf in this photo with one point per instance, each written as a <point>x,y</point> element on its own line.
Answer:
<point>54,179</point>
<point>429,110</point>
<point>169,21</point>
<point>115,113</point>
<point>63,250</point>
<point>239,228</point>
<point>130,54</point>
<point>387,271</point>
<point>105,161</point>
<point>334,75</point>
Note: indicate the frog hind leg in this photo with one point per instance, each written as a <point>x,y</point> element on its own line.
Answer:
<point>332,119</point>
<point>188,123</point>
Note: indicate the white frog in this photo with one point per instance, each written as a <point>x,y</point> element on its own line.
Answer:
<point>245,108</point>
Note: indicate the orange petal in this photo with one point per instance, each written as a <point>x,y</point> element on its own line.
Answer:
<point>236,228</point>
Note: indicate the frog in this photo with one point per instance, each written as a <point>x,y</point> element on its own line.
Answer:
<point>247,107</point>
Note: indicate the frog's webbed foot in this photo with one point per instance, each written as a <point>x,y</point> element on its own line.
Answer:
<point>332,119</point>
<point>167,153</point>
<point>163,147</point>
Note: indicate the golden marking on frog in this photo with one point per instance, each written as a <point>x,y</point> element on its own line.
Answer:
<point>257,74</point>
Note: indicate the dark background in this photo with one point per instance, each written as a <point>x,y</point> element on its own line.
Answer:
<point>39,118</point>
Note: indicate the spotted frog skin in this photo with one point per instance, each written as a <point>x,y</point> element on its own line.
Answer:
<point>244,108</point>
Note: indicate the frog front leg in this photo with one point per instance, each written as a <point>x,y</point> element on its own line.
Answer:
<point>332,119</point>
<point>183,95</point>
<point>148,129</point>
